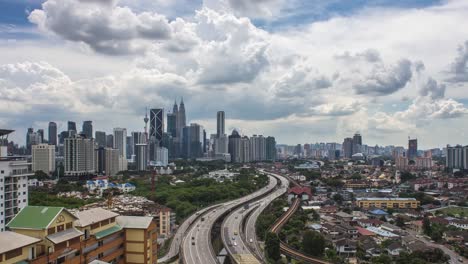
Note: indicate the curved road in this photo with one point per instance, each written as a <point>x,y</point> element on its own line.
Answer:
<point>196,245</point>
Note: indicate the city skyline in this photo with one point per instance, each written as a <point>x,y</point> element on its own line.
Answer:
<point>275,70</point>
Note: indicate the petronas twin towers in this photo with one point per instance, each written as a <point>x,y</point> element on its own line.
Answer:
<point>180,119</point>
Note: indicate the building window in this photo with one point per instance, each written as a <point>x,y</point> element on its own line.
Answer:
<point>94,226</point>
<point>51,231</point>
<point>13,253</point>
<point>112,220</point>
<point>3,173</point>
<point>69,225</point>
<point>60,228</point>
<point>24,200</point>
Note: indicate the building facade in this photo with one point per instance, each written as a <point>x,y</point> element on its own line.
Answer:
<point>79,156</point>
<point>52,133</point>
<point>88,129</point>
<point>43,158</point>
<point>387,203</point>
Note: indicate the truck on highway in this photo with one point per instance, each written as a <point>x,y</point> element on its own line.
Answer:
<point>202,219</point>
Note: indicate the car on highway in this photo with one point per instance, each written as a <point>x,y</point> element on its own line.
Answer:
<point>235,244</point>
<point>233,238</point>
<point>251,240</point>
<point>235,233</point>
<point>193,243</point>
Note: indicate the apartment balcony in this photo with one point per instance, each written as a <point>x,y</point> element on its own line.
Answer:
<point>101,249</point>
<point>67,256</point>
<point>113,255</point>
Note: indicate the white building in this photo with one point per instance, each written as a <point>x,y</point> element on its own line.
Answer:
<point>79,155</point>
<point>162,158</point>
<point>14,172</point>
<point>43,158</point>
<point>222,175</point>
<point>112,161</point>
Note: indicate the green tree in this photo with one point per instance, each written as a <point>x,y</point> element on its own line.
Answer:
<point>40,175</point>
<point>313,243</point>
<point>400,222</point>
<point>427,226</point>
<point>272,246</point>
<point>338,198</point>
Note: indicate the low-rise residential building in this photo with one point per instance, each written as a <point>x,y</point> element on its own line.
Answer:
<point>16,248</point>
<point>87,236</point>
<point>377,202</point>
<point>299,192</point>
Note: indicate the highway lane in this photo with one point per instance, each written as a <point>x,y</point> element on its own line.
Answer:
<point>196,245</point>
<point>241,243</point>
<point>178,236</point>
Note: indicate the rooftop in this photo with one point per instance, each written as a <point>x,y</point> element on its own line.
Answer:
<point>139,222</point>
<point>384,199</point>
<point>91,216</point>
<point>34,217</point>
<point>64,235</point>
<point>11,240</point>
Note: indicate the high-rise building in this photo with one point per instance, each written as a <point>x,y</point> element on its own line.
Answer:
<point>63,135</point>
<point>101,160</point>
<point>245,150</point>
<point>88,129</point>
<point>221,144</point>
<point>40,132</point>
<point>220,123</point>
<point>52,133</point>
<point>110,141</point>
<point>100,138</point>
<point>162,156</point>
<point>14,173</point>
<point>120,141</point>
<point>357,143</point>
<point>156,130</point>
<point>28,140</point>
<point>270,149</point>
<point>130,147</point>
<point>71,126</point>
<point>457,157</point>
<point>43,158</point>
<point>181,119</point>
<point>192,141</point>
<point>172,124</point>
<point>113,160</point>
<point>348,148</point>
<point>235,147</point>
<point>141,159</point>
<point>412,149</point>
<point>79,156</point>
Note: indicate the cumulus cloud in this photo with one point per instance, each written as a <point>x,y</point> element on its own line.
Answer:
<point>385,80</point>
<point>346,107</point>
<point>105,28</point>
<point>459,67</point>
<point>433,89</point>
<point>262,9</point>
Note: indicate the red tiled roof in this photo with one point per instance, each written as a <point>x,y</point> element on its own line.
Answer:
<point>365,232</point>
<point>300,190</point>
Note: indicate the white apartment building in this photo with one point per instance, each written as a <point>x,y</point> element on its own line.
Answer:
<point>43,158</point>
<point>162,156</point>
<point>14,172</point>
<point>79,156</point>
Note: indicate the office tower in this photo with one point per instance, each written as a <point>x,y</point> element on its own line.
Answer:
<point>181,119</point>
<point>120,141</point>
<point>52,133</point>
<point>412,149</point>
<point>156,131</point>
<point>113,161</point>
<point>14,173</point>
<point>101,160</point>
<point>71,126</point>
<point>43,158</point>
<point>357,143</point>
<point>88,129</point>
<point>192,141</point>
<point>63,135</point>
<point>161,156</point>
<point>235,147</point>
<point>40,132</point>
<point>130,147</point>
<point>100,138</point>
<point>456,157</point>
<point>204,141</point>
<point>245,150</point>
<point>141,159</point>
<point>220,123</point>
<point>110,141</point>
<point>221,144</point>
<point>298,150</point>
<point>270,149</point>
<point>79,156</point>
<point>172,124</point>
<point>28,140</point>
<point>348,148</point>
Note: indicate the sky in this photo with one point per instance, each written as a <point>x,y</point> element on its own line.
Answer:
<point>300,70</point>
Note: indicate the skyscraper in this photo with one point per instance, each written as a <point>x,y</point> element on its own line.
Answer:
<point>457,157</point>
<point>71,126</point>
<point>120,141</point>
<point>130,147</point>
<point>141,159</point>
<point>412,149</point>
<point>79,155</point>
<point>43,158</point>
<point>270,149</point>
<point>28,140</point>
<point>172,124</point>
<point>40,132</point>
<point>156,130</point>
<point>88,129</point>
<point>357,143</point>
<point>52,133</point>
<point>220,124</point>
<point>100,138</point>
<point>347,148</point>
<point>110,141</point>
<point>181,119</point>
<point>235,147</point>
<point>192,141</point>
